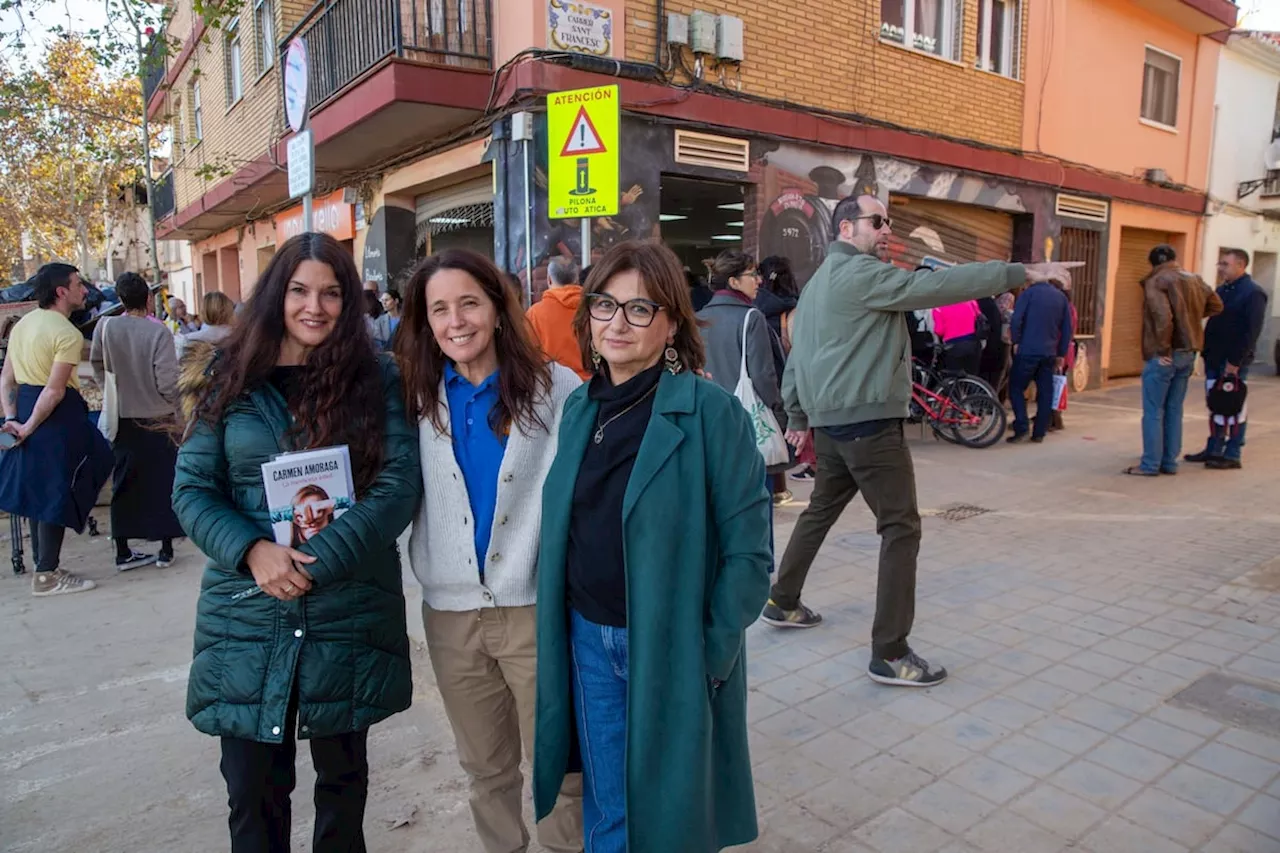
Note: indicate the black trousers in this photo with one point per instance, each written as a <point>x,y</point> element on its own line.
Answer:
<point>48,545</point>
<point>261,776</point>
<point>879,466</point>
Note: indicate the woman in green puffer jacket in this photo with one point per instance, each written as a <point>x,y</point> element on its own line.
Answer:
<point>308,642</point>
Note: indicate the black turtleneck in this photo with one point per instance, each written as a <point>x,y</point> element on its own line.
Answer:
<point>596,576</point>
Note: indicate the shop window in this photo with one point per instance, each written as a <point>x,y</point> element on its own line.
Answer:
<point>925,25</point>
<point>265,30</point>
<point>999,36</point>
<point>1160,87</point>
<point>235,80</point>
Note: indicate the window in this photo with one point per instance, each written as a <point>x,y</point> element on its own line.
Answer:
<point>235,83</point>
<point>264,17</point>
<point>197,120</point>
<point>1160,87</point>
<point>1000,36</point>
<point>926,25</point>
<point>178,128</point>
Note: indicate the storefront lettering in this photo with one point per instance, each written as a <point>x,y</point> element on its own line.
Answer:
<point>580,27</point>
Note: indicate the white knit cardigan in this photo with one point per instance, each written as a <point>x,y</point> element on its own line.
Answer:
<point>442,548</point>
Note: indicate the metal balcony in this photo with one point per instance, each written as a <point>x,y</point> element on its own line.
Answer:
<point>162,201</point>
<point>1271,184</point>
<point>347,38</point>
<point>153,70</point>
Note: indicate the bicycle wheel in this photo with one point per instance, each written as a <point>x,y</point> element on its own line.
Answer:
<point>985,420</point>
<point>958,387</point>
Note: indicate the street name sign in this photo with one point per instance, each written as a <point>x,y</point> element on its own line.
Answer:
<point>302,163</point>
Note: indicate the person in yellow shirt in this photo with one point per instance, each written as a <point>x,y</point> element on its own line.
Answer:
<point>58,462</point>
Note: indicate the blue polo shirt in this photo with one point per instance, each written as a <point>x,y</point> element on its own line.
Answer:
<point>478,451</point>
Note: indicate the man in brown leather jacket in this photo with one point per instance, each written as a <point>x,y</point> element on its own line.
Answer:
<point>1175,306</point>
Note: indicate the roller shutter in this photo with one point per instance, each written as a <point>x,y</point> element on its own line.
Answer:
<point>1126,309</point>
<point>926,231</point>
<point>461,208</point>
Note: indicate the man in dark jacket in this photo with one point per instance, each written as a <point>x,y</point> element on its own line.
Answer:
<point>1229,342</point>
<point>1041,334</point>
<point>1175,303</point>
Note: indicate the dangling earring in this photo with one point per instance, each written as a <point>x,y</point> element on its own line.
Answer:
<point>595,358</point>
<point>673,363</point>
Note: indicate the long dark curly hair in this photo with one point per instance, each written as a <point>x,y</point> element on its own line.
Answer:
<point>524,375</point>
<point>340,400</point>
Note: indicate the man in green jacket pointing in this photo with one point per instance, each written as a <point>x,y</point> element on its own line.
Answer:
<point>848,378</point>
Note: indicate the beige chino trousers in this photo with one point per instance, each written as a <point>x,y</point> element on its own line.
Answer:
<point>484,661</point>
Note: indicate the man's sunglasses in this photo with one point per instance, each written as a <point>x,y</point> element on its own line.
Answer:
<point>877,220</point>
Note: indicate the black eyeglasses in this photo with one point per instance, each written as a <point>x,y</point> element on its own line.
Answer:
<point>637,312</point>
<point>877,220</point>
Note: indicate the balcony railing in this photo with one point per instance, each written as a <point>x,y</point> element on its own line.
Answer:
<point>1271,184</point>
<point>346,38</point>
<point>153,62</point>
<point>162,201</point>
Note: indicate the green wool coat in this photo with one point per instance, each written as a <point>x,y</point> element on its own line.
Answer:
<point>345,643</point>
<point>696,522</point>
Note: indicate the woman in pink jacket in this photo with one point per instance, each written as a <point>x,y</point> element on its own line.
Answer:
<point>957,327</point>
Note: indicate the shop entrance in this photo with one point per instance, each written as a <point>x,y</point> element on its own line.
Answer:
<point>700,219</point>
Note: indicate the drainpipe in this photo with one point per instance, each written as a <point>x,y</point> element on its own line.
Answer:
<point>660,25</point>
<point>1204,220</point>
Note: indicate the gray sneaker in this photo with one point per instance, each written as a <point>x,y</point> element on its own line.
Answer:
<point>909,671</point>
<point>801,617</point>
<point>59,582</point>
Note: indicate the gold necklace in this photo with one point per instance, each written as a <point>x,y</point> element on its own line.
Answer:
<point>599,436</point>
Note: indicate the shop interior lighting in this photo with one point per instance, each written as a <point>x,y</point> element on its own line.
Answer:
<point>670,217</point>
<point>448,220</point>
<point>729,238</point>
<point>738,224</point>
<point>737,205</point>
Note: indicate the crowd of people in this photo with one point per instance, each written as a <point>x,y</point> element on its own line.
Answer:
<point>589,485</point>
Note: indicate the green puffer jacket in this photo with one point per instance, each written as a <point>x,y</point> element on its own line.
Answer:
<point>344,644</point>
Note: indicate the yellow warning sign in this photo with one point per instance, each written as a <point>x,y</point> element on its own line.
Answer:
<point>582,152</point>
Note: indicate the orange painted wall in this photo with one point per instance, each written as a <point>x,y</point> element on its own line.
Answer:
<point>1084,88</point>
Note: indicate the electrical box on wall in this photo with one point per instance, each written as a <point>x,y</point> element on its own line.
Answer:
<point>522,127</point>
<point>677,28</point>
<point>729,38</point>
<point>702,32</point>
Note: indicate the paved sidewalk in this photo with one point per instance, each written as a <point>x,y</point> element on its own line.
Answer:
<point>1070,611</point>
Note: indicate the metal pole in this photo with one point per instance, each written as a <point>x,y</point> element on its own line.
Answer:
<point>306,212</point>
<point>146,154</point>
<point>586,241</point>
<point>528,229</point>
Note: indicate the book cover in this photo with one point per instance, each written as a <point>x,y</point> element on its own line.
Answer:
<point>306,491</point>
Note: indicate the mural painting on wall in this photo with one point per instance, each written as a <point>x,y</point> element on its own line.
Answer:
<point>799,188</point>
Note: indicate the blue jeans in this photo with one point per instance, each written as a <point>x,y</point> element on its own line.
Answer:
<point>1027,368</point>
<point>1233,447</point>
<point>600,669</point>
<point>1164,388</point>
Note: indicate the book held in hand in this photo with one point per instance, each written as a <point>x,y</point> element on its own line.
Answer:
<point>306,491</point>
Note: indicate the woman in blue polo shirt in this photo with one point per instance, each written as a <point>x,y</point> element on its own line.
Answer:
<point>487,404</point>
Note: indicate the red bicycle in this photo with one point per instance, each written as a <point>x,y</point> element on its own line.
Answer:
<point>968,418</point>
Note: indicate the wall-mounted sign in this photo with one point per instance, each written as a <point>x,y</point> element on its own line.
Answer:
<point>579,27</point>
<point>301,157</point>
<point>329,215</point>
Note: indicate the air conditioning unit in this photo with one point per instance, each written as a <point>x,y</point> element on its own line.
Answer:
<point>1157,176</point>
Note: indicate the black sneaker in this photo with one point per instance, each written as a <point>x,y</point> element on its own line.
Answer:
<point>909,671</point>
<point>164,559</point>
<point>1219,463</point>
<point>801,617</point>
<point>1037,439</point>
<point>1017,437</point>
<point>1202,456</point>
<point>133,561</point>
<point>804,475</point>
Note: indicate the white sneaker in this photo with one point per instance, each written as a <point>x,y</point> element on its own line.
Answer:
<point>59,582</point>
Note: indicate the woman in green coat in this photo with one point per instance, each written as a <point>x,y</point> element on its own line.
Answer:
<point>654,560</point>
<point>307,641</point>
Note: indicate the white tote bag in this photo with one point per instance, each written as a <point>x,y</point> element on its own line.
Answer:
<point>769,438</point>
<point>109,417</point>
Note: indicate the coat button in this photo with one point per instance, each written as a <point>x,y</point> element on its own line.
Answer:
<point>488,596</point>
<point>297,633</point>
<point>275,730</point>
<point>504,520</point>
<point>493,558</point>
<point>508,478</point>
<point>306,728</point>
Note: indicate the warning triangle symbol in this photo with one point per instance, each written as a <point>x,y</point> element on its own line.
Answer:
<point>583,138</point>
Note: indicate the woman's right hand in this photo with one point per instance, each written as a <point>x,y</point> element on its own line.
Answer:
<point>276,572</point>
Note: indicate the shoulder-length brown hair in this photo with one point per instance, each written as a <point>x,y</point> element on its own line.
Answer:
<point>524,375</point>
<point>665,281</point>
<point>340,400</point>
